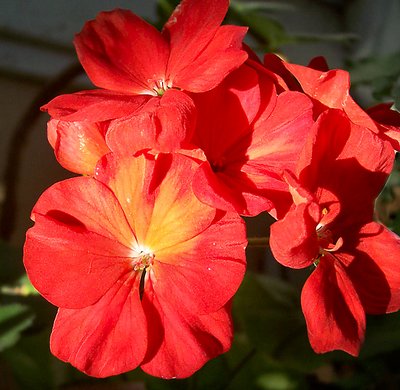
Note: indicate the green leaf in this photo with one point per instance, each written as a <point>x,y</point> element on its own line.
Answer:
<point>367,70</point>
<point>11,266</point>
<point>246,6</point>
<point>268,310</point>
<point>382,335</point>
<point>396,96</point>
<point>14,318</point>
<point>277,381</point>
<point>269,32</point>
<point>30,362</point>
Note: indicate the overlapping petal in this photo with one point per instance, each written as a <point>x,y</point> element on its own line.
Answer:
<point>165,125</point>
<point>106,338</point>
<point>249,146</point>
<point>188,341</point>
<point>356,164</point>
<point>80,236</point>
<point>78,146</point>
<point>293,239</point>
<point>334,314</point>
<point>388,122</point>
<point>375,272</point>
<point>94,106</point>
<point>202,273</point>
<point>202,52</point>
<point>123,53</point>
<point>214,63</point>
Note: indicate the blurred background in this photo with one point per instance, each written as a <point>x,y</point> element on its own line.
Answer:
<point>271,351</point>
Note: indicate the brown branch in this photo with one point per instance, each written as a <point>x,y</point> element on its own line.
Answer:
<point>20,135</point>
<point>258,242</point>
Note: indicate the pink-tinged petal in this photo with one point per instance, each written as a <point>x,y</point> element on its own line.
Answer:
<point>375,270</point>
<point>86,202</point>
<point>94,106</point>
<point>77,145</point>
<point>107,338</point>
<point>121,52</point>
<point>201,274</point>
<point>334,315</point>
<point>388,122</point>
<point>214,63</point>
<point>164,124</point>
<point>293,239</point>
<point>188,340</point>
<point>65,261</point>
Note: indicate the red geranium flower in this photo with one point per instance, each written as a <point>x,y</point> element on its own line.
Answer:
<point>133,62</point>
<point>249,136</point>
<point>142,272</point>
<point>331,89</point>
<point>339,174</point>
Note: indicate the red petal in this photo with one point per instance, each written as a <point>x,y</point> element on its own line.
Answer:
<point>78,145</point>
<point>230,190</point>
<point>221,56</point>
<point>122,52</point>
<point>195,38</point>
<point>278,138</point>
<point>187,342</point>
<point>330,88</point>
<point>107,338</point>
<point>164,124</point>
<point>334,315</point>
<point>355,164</point>
<point>94,106</point>
<point>276,65</point>
<point>69,250</point>
<point>293,239</point>
<point>388,122</point>
<point>225,114</point>
<point>200,274</point>
<point>319,63</point>
<point>224,132</point>
<point>375,270</point>
<point>65,263</point>
<point>88,203</point>
<point>52,135</point>
<point>161,210</point>
<point>130,179</point>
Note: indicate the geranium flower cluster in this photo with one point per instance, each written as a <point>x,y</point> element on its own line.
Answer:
<point>188,131</point>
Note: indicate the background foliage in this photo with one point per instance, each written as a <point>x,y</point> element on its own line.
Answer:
<point>271,349</point>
